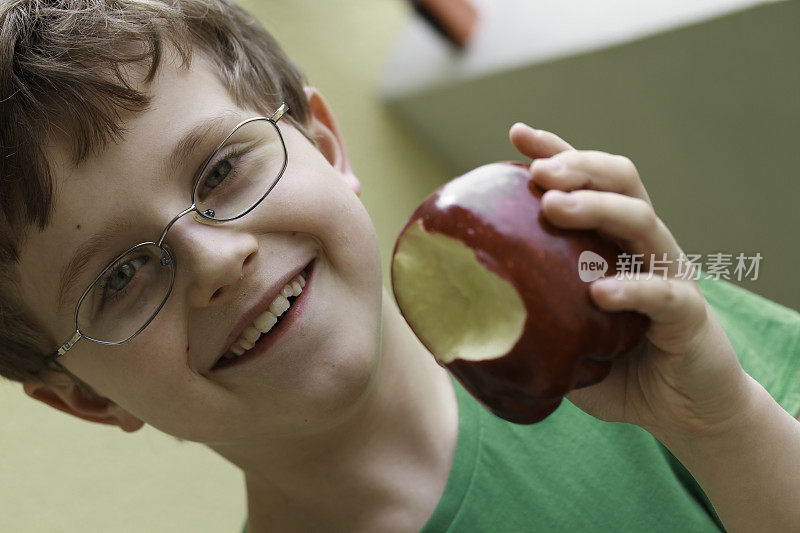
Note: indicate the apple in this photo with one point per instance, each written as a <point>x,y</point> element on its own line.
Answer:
<point>495,293</point>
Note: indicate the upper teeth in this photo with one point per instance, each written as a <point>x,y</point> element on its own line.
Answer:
<point>264,322</point>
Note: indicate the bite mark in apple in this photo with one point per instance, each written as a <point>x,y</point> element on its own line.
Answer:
<point>461,309</point>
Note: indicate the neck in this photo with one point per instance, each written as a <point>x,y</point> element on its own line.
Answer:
<point>382,470</point>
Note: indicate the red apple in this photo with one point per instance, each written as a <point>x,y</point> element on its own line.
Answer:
<point>493,291</point>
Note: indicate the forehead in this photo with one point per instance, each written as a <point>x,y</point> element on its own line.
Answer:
<point>122,175</point>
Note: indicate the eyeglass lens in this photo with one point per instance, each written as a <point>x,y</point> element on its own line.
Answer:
<point>126,296</point>
<point>241,172</point>
<point>129,292</point>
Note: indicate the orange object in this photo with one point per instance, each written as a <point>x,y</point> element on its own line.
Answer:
<point>455,20</point>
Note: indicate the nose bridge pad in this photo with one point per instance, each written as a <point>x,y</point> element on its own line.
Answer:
<point>207,221</point>
<point>165,259</point>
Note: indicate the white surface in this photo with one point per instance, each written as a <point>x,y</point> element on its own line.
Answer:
<point>513,33</point>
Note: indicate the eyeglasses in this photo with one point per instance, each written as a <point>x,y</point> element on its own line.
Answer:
<point>132,289</point>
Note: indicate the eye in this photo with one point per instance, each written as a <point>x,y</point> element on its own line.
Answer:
<point>119,277</point>
<point>216,174</point>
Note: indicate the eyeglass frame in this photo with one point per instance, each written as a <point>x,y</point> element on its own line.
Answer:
<point>166,258</point>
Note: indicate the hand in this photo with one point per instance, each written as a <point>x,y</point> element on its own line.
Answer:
<point>687,382</point>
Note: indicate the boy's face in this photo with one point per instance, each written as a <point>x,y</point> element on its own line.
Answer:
<point>322,367</point>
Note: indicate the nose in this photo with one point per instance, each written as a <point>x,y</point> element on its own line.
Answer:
<point>210,257</point>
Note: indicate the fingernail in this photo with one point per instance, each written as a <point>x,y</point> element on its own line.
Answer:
<point>548,165</point>
<point>564,199</point>
<point>524,125</point>
<point>570,201</point>
<point>611,286</point>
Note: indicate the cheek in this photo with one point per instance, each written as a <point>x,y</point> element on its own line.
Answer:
<point>344,378</point>
<point>118,371</point>
<point>153,382</point>
<point>150,377</point>
<point>132,374</point>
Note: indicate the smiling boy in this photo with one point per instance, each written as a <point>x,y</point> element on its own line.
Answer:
<point>337,415</point>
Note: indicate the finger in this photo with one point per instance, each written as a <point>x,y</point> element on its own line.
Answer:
<point>629,220</point>
<point>589,169</point>
<point>675,307</point>
<point>535,143</point>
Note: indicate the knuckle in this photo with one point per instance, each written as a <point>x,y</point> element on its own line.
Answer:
<point>580,158</point>
<point>587,197</point>
<point>660,227</point>
<point>595,159</point>
<point>669,296</point>
<point>696,315</point>
<point>627,165</point>
<point>569,157</point>
<point>648,221</point>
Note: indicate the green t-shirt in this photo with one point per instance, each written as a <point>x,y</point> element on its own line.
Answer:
<point>572,472</point>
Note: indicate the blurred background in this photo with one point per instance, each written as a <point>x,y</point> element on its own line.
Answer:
<point>703,96</point>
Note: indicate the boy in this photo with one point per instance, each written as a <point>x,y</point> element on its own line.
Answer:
<point>339,418</point>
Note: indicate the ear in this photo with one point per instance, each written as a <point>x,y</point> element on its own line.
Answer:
<point>60,392</point>
<point>329,139</point>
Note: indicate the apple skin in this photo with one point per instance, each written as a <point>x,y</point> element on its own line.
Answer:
<point>567,342</point>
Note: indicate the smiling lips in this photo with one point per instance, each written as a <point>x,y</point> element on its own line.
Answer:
<point>264,322</point>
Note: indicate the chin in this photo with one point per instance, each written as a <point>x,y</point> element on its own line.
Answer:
<point>335,379</point>
<point>339,388</point>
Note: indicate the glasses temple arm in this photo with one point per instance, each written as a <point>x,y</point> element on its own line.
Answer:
<point>276,116</point>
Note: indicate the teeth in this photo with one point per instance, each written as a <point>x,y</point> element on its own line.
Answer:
<point>251,334</point>
<point>279,305</point>
<point>265,321</point>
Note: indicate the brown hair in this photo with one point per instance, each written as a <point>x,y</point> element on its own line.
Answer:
<point>62,65</point>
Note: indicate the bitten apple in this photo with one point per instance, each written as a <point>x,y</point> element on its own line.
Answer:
<point>493,290</point>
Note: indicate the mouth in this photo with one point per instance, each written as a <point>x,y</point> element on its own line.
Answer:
<point>272,324</point>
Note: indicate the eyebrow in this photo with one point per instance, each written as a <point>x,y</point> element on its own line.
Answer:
<point>199,134</point>
<point>212,127</point>
<point>83,255</point>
